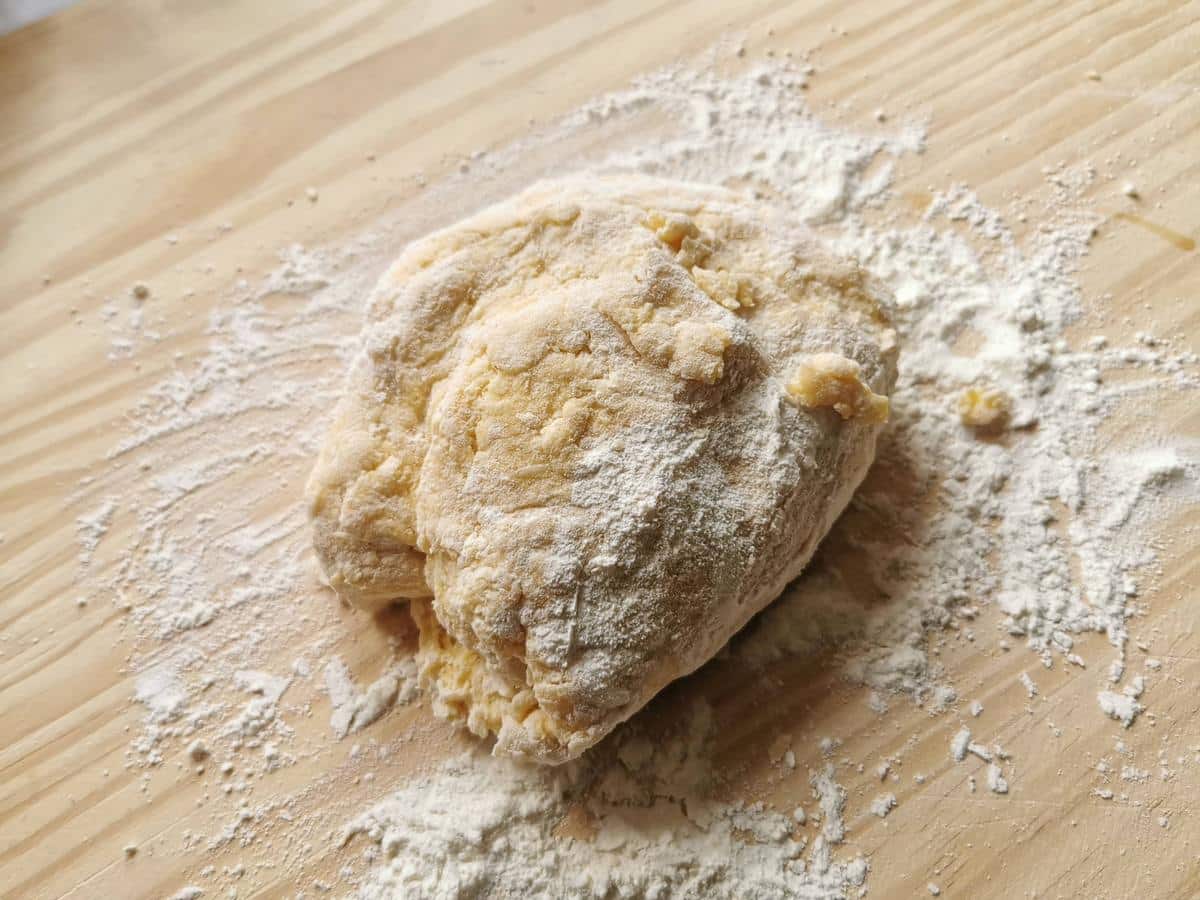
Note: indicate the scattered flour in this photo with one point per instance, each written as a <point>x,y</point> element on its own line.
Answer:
<point>1030,688</point>
<point>162,693</point>
<point>883,804</point>
<point>980,751</point>
<point>831,798</point>
<point>483,827</point>
<point>1121,707</point>
<point>959,744</point>
<point>353,710</point>
<point>258,714</point>
<point>995,779</point>
<point>92,527</point>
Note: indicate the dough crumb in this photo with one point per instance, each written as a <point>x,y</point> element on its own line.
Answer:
<point>830,380</point>
<point>984,409</point>
<point>672,230</point>
<point>731,291</point>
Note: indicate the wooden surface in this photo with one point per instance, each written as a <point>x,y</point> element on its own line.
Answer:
<point>122,121</point>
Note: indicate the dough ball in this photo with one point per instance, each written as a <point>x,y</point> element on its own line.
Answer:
<point>591,432</point>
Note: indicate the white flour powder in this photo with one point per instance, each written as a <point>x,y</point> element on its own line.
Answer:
<point>354,710</point>
<point>646,826</point>
<point>215,592</point>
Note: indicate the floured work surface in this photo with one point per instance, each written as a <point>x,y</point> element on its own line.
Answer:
<point>189,711</point>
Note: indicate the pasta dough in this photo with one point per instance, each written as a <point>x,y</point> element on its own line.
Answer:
<point>591,432</point>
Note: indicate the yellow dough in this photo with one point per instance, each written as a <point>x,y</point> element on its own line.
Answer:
<point>590,433</point>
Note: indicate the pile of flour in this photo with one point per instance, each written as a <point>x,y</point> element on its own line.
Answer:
<point>645,825</point>
<point>950,523</point>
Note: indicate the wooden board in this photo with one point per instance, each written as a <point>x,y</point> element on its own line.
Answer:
<point>120,122</point>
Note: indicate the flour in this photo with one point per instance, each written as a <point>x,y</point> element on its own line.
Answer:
<point>980,751</point>
<point>507,846</point>
<point>194,614</point>
<point>883,804</point>
<point>1122,707</point>
<point>168,715</point>
<point>353,710</point>
<point>218,601</point>
<point>259,713</point>
<point>1031,689</point>
<point>299,273</point>
<point>996,781</point>
<point>831,798</point>
<point>959,744</point>
<point>92,527</point>
<point>161,692</point>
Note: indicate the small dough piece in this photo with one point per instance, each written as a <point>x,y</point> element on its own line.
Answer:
<point>827,379</point>
<point>984,409</point>
<point>574,440</point>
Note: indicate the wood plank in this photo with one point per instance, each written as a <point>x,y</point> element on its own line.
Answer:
<point>128,120</point>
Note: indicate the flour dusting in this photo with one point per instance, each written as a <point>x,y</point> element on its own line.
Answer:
<point>353,709</point>
<point>654,803</point>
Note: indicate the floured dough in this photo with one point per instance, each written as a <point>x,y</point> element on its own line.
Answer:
<point>591,432</point>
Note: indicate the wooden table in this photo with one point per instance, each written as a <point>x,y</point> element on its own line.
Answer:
<point>123,121</point>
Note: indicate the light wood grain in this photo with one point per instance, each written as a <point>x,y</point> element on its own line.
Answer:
<point>120,122</point>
